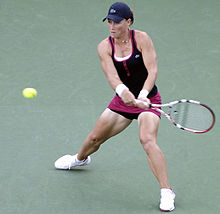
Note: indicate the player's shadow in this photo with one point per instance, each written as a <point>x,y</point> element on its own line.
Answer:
<point>75,170</point>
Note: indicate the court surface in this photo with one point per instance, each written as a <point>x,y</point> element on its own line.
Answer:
<point>51,46</point>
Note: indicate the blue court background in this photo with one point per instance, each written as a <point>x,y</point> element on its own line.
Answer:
<point>51,45</point>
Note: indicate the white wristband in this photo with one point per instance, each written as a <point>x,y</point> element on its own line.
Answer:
<point>143,93</point>
<point>120,88</point>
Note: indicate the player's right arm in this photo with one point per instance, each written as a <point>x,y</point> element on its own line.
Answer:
<point>105,52</point>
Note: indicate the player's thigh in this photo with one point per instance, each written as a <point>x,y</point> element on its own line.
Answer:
<point>110,124</point>
<point>148,123</point>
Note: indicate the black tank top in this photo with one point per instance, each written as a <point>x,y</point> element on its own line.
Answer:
<point>132,71</point>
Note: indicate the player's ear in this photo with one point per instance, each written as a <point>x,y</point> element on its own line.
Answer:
<point>129,22</point>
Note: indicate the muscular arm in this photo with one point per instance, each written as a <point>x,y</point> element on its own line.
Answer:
<point>104,52</point>
<point>146,46</point>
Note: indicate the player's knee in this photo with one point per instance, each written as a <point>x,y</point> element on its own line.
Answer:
<point>146,139</point>
<point>95,140</point>
<point>148,142</point>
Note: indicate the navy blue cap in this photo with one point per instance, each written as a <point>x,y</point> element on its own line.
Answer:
<point>118,11</point>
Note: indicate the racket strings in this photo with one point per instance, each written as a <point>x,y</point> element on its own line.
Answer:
<point>191,116</point>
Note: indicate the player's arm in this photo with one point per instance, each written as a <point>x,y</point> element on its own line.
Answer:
<point>108,65</point>
<point>104,52</point>
<point>146,46</point>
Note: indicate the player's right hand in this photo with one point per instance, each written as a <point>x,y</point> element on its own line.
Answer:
<point>143,103</point>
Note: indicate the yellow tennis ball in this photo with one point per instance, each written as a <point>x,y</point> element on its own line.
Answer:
<point>29,92</point>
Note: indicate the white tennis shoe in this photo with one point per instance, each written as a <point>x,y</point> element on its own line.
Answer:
<point>167,200</point>
<point>70,161</point>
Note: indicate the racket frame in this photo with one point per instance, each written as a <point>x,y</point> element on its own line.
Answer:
<point>168,116</point>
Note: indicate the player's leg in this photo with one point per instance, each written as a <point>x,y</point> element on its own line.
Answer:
<point>108,125</point>
<point>148,128</point>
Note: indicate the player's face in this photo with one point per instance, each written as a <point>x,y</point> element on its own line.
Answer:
<point>118,29</point>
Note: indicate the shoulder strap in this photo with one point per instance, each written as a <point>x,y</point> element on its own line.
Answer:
<point>112,45</point>
<point>133,39</point>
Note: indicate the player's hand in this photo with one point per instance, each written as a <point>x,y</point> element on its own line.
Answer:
<point>143,103</point>
<point>128,98</point>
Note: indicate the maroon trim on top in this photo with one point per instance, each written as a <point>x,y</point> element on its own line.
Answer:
<point>126,68</point>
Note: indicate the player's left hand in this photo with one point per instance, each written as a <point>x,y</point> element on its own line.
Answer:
<point>128,98</point>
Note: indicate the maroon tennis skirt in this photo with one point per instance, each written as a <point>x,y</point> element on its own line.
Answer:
<point>132,112</point>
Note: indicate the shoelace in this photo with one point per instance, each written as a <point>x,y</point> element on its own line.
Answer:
<point>167,197</point>
<point>70,164</point>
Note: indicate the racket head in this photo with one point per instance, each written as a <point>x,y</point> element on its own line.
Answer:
<point>190,115</point>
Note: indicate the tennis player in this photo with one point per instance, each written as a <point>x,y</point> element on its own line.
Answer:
<point>129,61</point>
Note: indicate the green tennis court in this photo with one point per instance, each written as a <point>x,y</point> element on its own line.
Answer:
<point>51,45</point>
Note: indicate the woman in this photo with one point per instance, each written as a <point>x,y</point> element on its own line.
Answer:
<point>129,61</point>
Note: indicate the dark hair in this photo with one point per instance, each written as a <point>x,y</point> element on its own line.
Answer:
<point>132,17</point>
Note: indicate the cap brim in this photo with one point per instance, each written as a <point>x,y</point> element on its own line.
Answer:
<point>116,19</point>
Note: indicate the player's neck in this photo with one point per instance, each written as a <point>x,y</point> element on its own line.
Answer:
<point>124,39</point>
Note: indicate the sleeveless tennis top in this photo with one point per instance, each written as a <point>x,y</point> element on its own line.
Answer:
<point>132,71</point>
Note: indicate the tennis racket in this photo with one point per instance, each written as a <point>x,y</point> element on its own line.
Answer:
<point>188,115</point>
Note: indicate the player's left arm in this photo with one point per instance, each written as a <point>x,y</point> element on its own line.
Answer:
<point>145,45</point>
